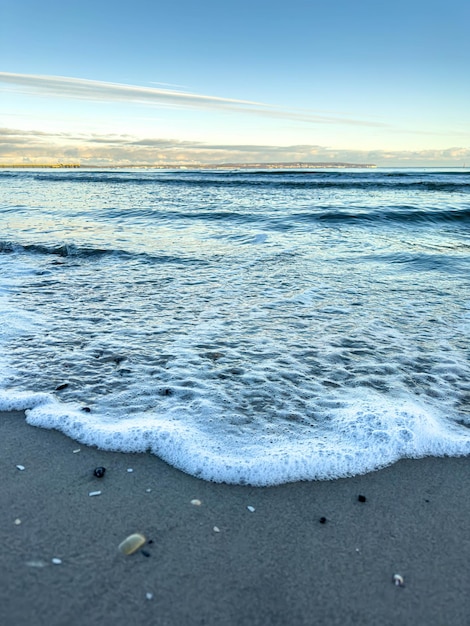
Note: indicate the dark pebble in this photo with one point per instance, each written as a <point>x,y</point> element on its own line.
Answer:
<point>86,409</point>
<point>150,541</point>
<point>322,520</point>
<point>63,386</point>
<point>361,498</point>
<point>145,553</point>
<point>99,472</point>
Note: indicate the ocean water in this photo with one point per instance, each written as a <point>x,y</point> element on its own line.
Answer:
<point>253,327</point>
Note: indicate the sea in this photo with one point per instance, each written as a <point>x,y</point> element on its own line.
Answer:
<point>247,326</point>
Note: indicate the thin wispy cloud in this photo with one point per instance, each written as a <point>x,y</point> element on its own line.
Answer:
<point>84,89</point>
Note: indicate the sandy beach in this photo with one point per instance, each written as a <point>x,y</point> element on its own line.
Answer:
<point>218,562</point>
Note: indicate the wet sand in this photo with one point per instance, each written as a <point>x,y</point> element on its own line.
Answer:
<point>276,565</point>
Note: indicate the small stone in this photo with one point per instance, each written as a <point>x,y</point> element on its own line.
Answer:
<point>361,498</point>
<point>94,493</point>
<point>148,490</point>
<point>149,595</point>
<point>86,409</point>
<point>57,561</point>
<point>251,508</point>
<point>145,553</point>
<point>17,521</point>
<point>20,467</point>
<point>196,502</point>
<point>62,386</point>
<point>99,472</point>
<point>76,451</point>
<point>216,529</point>
<point>129,469</point>
<point>132,543</point>
<point>322,520</point>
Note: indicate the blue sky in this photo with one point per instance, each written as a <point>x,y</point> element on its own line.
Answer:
<point>148,81</point>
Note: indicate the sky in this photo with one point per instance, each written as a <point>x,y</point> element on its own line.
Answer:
<point>254,81</point>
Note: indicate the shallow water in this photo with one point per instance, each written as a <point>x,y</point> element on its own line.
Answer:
<point>258,327</point>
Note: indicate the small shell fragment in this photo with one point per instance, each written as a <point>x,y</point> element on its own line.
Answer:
<point>17,521</point>
<point>196,502</point>
<point>398,580</point>
<point>216,529</point>
<point>56,561</point>
<point>129,469</point>
<point>132,543</point>
<point>94,493</point>
<point>251,508</point>
<point>149,595</point>
<point>20,467</point>
<point>76,451</point>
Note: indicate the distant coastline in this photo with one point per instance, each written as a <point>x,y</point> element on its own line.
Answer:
<point>192,166</point>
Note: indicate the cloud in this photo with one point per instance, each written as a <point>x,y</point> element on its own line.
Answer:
<point>107,150</point>
<point>84,89</point>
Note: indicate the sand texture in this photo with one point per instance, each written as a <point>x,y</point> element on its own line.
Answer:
<point>219,563</point>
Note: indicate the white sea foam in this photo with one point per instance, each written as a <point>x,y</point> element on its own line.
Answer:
<point>368,432</point>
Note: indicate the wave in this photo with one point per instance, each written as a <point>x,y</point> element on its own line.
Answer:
<point>404,215</point>
<point>289,219</point>
<point>84,252</point>
<point>308,180</point>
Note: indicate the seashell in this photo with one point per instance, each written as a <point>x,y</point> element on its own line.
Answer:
<point>132,543</point>
<point>398,580</point>
<point>251,509</point>
<point>196,502</point>
<point>94,493</point>
<point>36,563</point>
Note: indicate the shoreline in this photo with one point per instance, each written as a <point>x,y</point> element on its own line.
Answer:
<point>218,563</point>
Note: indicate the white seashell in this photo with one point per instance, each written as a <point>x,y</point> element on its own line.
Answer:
<point>196,502</point>
<point>132,543</point>
<point>251,509</point>
<point>216,529</point>
<point>149,595</point>
<point>17,521</point>
<point>75,451</point>
<point>94,493</point>
<point>398,580</point>
<point>129,469</point>
<point>20,467</point>
<point>57,561</point>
